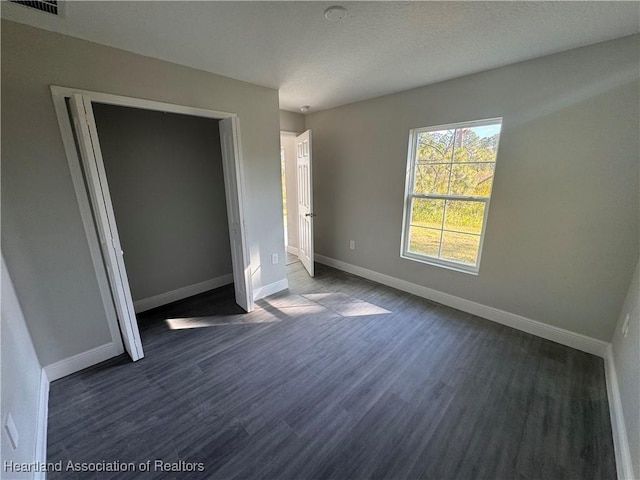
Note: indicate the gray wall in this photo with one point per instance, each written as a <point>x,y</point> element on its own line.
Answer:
<point>20,381</point>
<point>291,122</point>
<point>562,234</point>
<point>167,187</point>
<point>43,239</point>
<point>626,355</point>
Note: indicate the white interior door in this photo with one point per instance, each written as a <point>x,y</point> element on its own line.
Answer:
<point>305,200</point>
<point>234,191</point>
<point>87,138</point>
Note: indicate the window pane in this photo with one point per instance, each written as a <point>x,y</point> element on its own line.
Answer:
<point>464,216</point>
<point>424,241</point>
<point>432,179</point>
<point>460,247</point>
<point>477,144</point>
<point>427,213</point>
<point>434,146</point>
<point>449,167</point>
<point>472,179</point>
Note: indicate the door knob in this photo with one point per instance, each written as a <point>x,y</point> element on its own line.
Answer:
<point>310,215</point>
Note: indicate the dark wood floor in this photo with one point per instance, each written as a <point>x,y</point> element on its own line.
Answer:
<point>339,378</point>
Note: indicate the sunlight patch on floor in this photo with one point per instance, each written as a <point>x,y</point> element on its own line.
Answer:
<point>278,308</point>
<point>360,309</point>
<point>346,305</point>
<point>295,311</point>
<point>216,321</point>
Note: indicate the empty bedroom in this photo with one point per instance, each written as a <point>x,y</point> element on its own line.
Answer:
<point>306,240</point>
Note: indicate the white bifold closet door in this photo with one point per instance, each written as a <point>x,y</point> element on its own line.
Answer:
<point>87,138</point>
<point>234,192</point>
<point>100,199</point>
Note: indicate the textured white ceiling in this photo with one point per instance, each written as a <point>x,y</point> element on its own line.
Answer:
<point>382,47</point>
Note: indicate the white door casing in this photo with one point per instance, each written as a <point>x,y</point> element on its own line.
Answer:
<point>305,200</point>
<point>90,153</point>
<point>116,287</point>
<point>234,192</point>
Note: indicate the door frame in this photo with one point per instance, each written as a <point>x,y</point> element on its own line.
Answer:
<point>59,95</point>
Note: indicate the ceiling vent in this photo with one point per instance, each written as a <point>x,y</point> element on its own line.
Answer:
<point>48,6</point>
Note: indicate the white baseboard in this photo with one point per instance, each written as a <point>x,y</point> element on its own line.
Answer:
<point>43,417</point>
<point>534,327</point>
<point>624,465</point>
<point>81,361</point>
<point>270,289</point>
<point>292,250</point>
<point>180,293</point>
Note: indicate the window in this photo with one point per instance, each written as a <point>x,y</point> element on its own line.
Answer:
<point>450,172</point>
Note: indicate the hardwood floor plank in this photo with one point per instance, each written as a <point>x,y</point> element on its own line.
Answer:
<point>337,378</point>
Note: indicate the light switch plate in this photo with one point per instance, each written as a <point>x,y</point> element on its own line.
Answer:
<point>12,431</point>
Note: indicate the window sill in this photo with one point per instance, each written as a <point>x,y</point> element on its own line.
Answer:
<point>456,267</point>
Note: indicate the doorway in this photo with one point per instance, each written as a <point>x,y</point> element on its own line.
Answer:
<point>84,153</point>
<point>166,185</point>
<point>297,186</point>
<point>289,195</point>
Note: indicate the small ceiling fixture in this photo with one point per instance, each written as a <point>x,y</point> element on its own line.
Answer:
<point>304,108</point>
<point>335,13</point>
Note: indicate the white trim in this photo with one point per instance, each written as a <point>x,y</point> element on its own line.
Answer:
<point>534,327</point>
<point>123,101</point>
<point>437,262</point>
<point>43,416</point>
<point>270,289</point>
<point>234,191</point>
<point>292,250</point>
<point>80,361</point>
<point>89,148</point>
<point>73,161</point>
<point>624,465</point>
<point>449,126</point>
<point>182,292</point>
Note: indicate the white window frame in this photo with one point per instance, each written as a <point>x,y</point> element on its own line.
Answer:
<point>409,196</point>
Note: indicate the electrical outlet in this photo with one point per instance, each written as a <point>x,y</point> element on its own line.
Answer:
<point>352,244</point>
<point>12,431</point>
<point>274,258</point>
<point>625,326</point>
